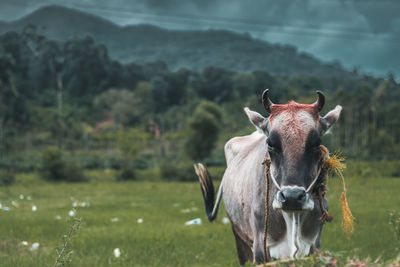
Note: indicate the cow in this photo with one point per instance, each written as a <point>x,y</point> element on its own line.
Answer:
<point>290,137</point>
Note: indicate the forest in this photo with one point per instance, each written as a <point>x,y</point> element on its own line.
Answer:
<point>70,99</point>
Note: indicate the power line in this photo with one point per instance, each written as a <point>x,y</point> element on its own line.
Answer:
<point>249,26</point>
<point>243,24</point>
<point>105,8</point>
<point>209,17</point>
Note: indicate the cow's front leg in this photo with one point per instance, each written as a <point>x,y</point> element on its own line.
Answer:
<point>258,249</point>
<point>258,237</point>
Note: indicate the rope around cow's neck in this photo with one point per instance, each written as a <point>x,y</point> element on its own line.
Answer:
<point>267,163</point>
<point>326,163</point>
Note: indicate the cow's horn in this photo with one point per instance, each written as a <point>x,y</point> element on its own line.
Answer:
<point>266,101</point>
<point>320,101</point>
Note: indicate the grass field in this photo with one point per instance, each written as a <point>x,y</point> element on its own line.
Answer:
<point>110,221</point>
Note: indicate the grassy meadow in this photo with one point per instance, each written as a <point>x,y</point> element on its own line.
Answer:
<point>111,213</point>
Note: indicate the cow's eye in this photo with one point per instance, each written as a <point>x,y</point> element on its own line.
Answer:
<point>273,142</point>
<point>313,142</point>
<point>271,146</point>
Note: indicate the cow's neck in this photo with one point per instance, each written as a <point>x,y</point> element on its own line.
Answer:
<point>294,244</point>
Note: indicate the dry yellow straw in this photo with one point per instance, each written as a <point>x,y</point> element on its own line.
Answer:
<point>335,164</point>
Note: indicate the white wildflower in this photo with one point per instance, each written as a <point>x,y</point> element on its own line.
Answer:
<point>115,219</point>
<point>34,246</point>
<point>225,220</point>
<point>117,252</point>
<point>185,210</point>
<point>58,217</point>
<point>21,196</point>
<point>71,213</point>
<point>34,208</point>
<point>140,220</point>
<point>24,243</point>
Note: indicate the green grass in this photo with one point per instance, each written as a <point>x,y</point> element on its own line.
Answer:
<point>162,238</point>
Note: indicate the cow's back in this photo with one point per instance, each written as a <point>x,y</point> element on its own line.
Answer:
<point>241,145</point>
<point>244,156</point>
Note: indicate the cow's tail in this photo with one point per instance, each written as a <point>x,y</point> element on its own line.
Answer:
<point>207,189</point>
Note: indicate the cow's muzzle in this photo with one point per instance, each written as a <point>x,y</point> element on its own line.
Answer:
<point>293,198</point>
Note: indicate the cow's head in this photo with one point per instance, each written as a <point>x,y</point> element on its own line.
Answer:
<point>293,141</point>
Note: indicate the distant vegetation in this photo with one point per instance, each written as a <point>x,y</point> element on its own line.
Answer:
<point>104,114</point>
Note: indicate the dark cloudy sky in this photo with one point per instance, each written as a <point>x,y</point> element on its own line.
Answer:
<point>359,33</point>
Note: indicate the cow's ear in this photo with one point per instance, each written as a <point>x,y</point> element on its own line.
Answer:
<point>256,119</point>
<point>329,119</point>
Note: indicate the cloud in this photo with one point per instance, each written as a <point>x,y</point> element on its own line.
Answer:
<point>380,15</point>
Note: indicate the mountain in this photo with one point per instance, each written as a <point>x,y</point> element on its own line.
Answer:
<point>190,49</point>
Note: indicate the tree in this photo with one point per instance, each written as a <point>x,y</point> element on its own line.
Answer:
<point>130,143</point>
<point>264,80</point>
<point>53,167</point>
<point>144,105</point>
<point>81,55</point>
<point>214,84</point>
<point>160,89</point>
<point>15,56</point>
<point>243,84</point>
<point>203,130</point>
<point>121,104</point>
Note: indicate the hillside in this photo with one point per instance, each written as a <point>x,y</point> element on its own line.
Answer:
<point>191,49</point>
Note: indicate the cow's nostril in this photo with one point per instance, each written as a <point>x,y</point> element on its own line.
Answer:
<point>301,197</point>
<point>281,197</point>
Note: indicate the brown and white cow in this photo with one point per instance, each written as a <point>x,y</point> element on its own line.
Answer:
<point>291,137</point>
